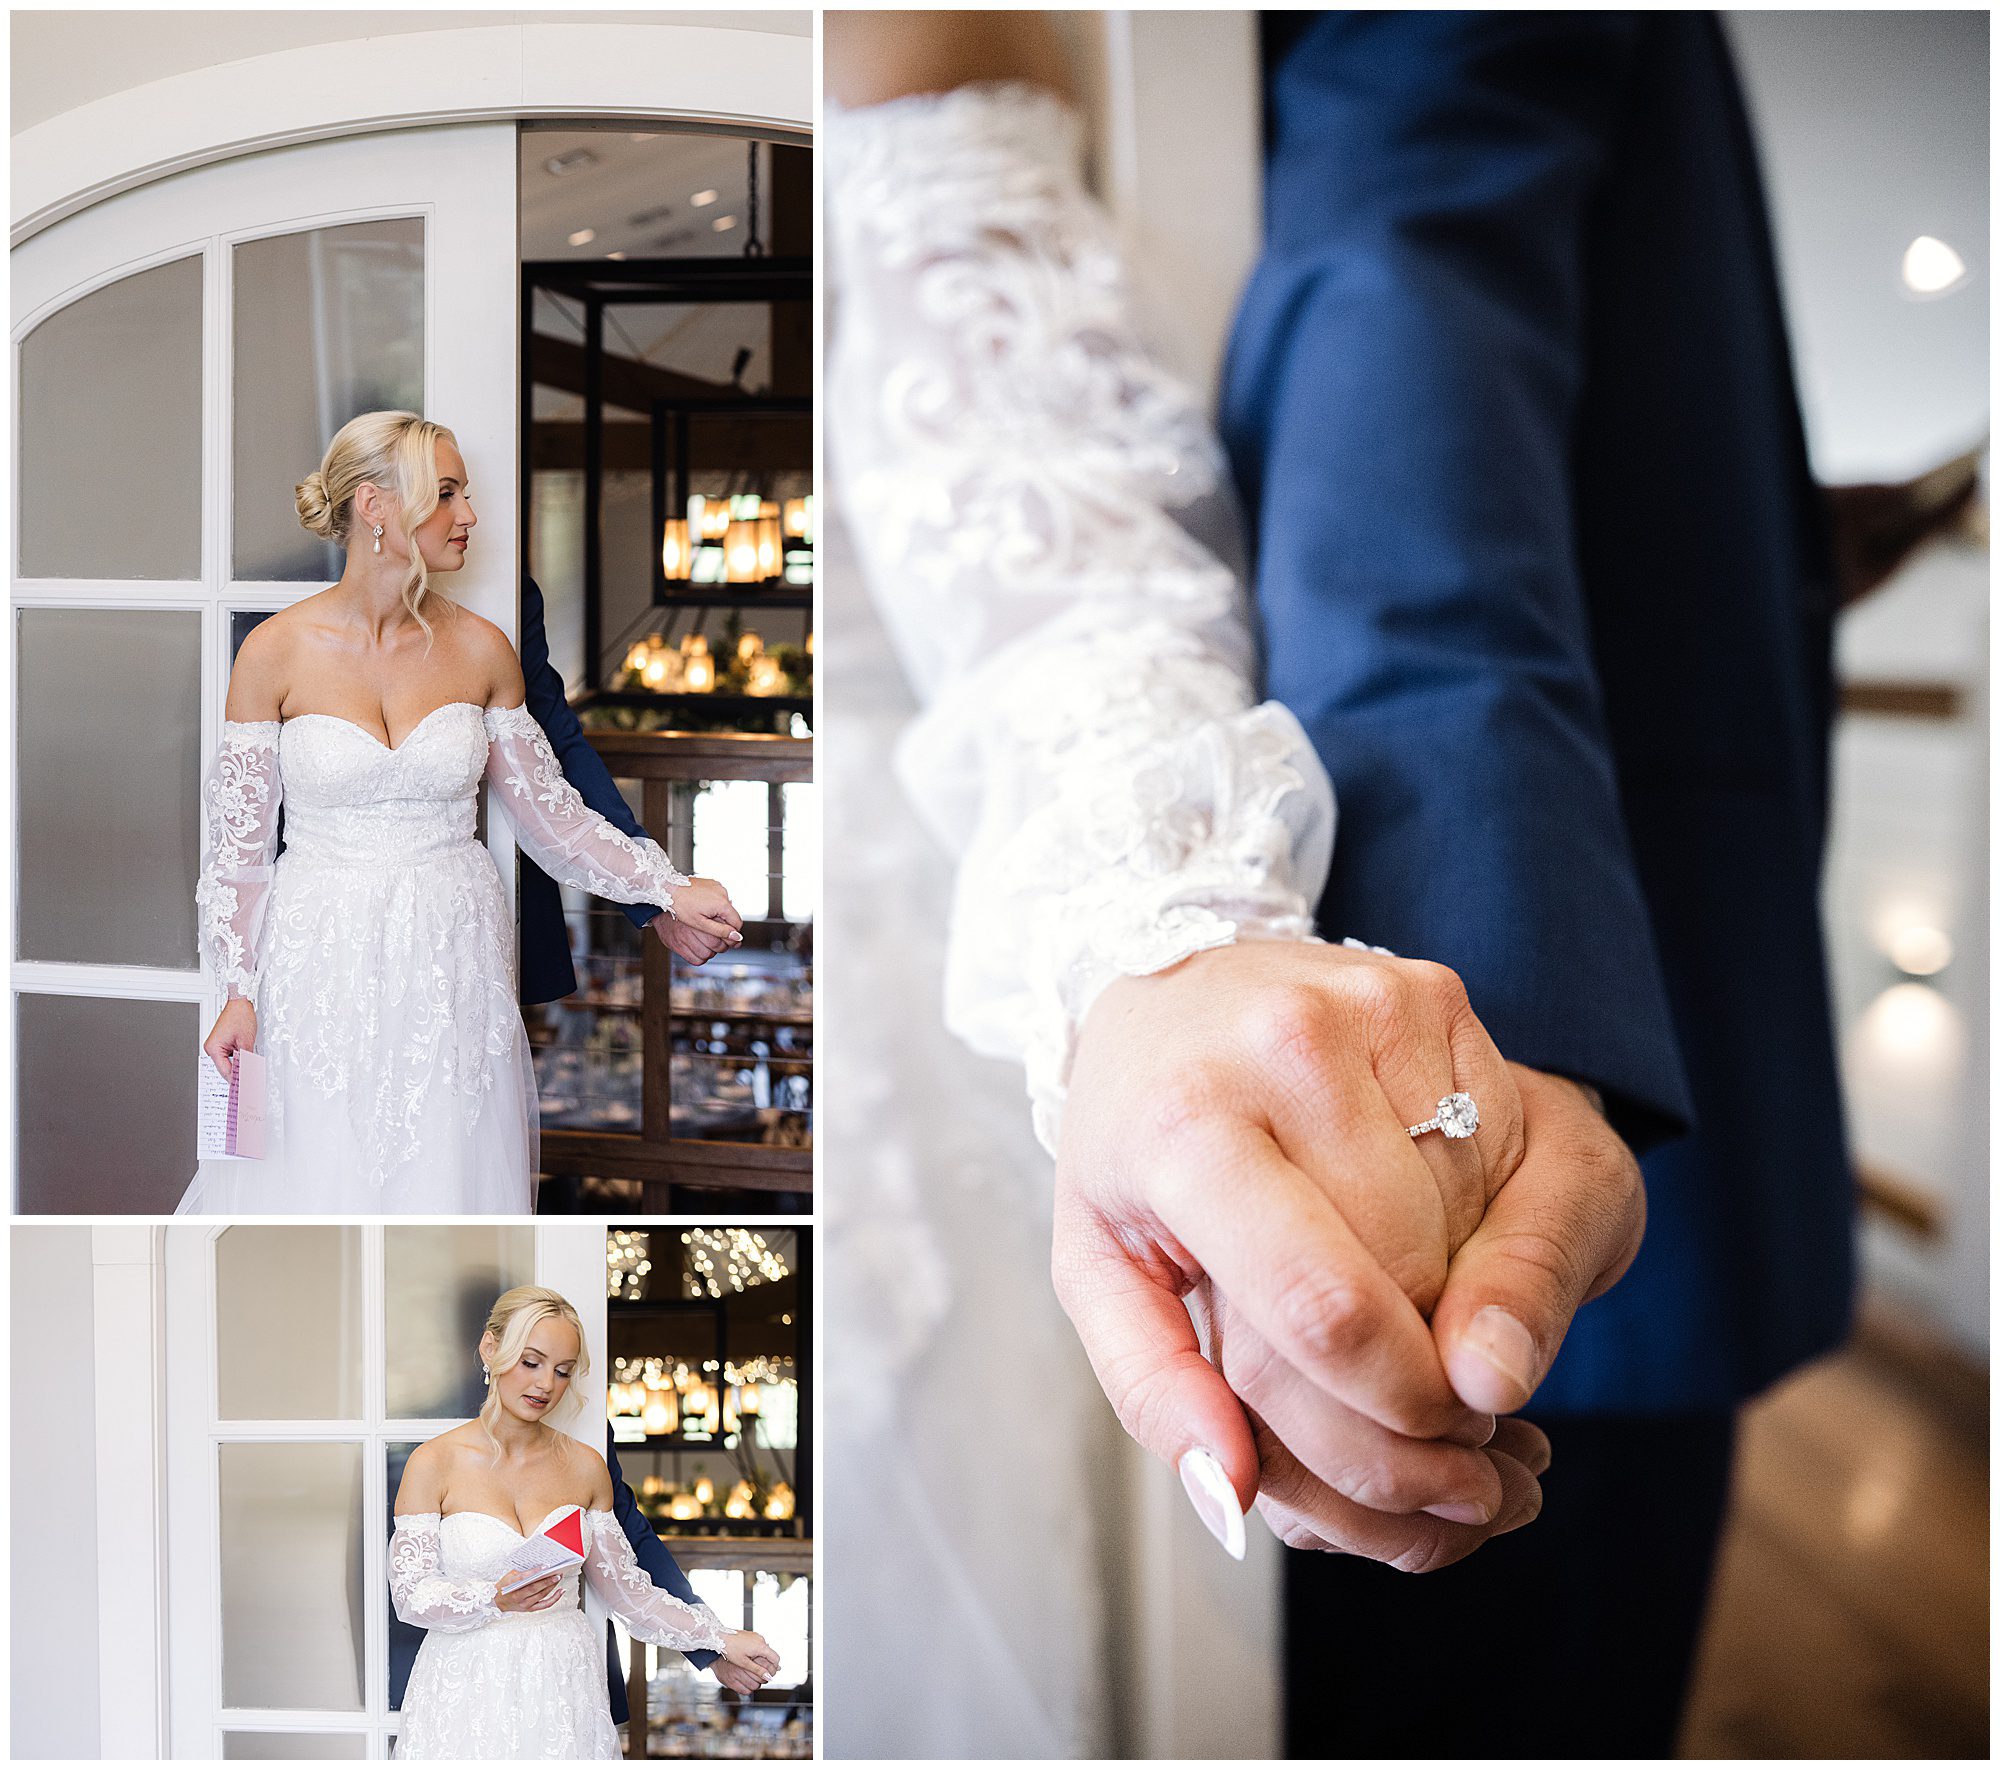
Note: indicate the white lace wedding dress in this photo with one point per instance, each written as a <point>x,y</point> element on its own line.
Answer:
<point>489,1683</point>
<point>378,952</point>
<point>1053,556</point>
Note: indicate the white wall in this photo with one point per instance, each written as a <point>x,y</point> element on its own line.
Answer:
<point>1872,128</point>
<point>53,1568</point>
<point>65,59</point>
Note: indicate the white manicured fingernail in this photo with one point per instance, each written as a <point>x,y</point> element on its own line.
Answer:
<point>1214,1499</point>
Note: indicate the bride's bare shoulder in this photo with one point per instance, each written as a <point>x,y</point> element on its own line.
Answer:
<point>427,1471</point>
<point>488,649</point>
<point>596,1473</point>
<point>262,669</point>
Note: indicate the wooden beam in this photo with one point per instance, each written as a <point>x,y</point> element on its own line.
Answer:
<point>617,1155</point>
<point>1903,1202</point>
<point>1903,700</point>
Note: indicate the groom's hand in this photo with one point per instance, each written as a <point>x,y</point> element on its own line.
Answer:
<point>685,942</point>
<point>744,1680</point>
<point>1241,1118</point>
<point>1561,1230</point>
<point>1329,1482</point>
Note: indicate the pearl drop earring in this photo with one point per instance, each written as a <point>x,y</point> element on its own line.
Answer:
<point>378,537</point>
<point>486,1376</point>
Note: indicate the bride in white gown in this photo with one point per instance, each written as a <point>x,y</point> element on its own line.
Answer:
<point>1054,662</point>
<point>517,1671</point>
<point>371,963</point>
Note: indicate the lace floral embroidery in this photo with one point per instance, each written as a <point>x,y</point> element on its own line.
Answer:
<point>240,801</point>
<point>651,1614</point>
<point>568,840</point>
<point>1044,518</point>
<point>506,1685</point>
<point>423,1595</point>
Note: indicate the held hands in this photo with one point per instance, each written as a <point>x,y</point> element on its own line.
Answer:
<point>702,922</point>
<point>748,1661</point>
<point>744,1680</point>
<point>1358,1283</point>
<point>235,1029</point>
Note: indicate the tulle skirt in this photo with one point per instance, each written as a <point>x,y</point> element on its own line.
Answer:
<point>399,1077</point>
<point>529,1686</point>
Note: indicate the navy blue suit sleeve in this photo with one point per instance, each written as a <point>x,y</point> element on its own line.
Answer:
<point>1399,404</point>
<point>654,1556</point>
<point>548,701</point>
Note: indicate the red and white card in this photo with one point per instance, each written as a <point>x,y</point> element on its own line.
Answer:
<point>555,1548</point>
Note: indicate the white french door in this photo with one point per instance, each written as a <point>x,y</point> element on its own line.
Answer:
<point>303,1363</point>
<point>182,355</point>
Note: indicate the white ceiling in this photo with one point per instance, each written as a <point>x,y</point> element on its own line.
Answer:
<point>634,192</point>
<point>65,59</point>
<point>1872,127</point>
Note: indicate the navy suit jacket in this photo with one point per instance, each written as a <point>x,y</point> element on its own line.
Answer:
<point>661,1568</point>
<point>547,973</point>
<point>1543,571</point>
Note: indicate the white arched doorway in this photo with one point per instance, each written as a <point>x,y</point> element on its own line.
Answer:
<point>211,272</point>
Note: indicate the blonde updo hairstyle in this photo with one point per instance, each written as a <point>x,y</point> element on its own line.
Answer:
<point>514,1316</point>
<point>396,452</point>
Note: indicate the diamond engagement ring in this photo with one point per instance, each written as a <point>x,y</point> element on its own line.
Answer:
<point>1457,1116</point>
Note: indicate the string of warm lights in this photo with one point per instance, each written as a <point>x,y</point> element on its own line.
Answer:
<point>745,1258</point>
<point>628,1263</point>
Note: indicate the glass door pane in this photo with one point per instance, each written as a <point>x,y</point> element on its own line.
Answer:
<point>108,741</point>
<point>106,1102</point>
<point>329,323</point>
<point>110,437</point>
<point>292,1597</point>
<point>288,1323</point>
<point>294,1745</point>
<point>440,1285</point>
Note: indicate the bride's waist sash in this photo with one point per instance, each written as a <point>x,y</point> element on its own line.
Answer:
<point>392,833</point>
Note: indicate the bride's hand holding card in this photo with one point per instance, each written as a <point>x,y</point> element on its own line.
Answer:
<point>555,1548</point>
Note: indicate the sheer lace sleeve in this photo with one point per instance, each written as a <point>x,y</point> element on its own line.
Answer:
<point>418,1588</point>
<point>1045,522</point>
<point>566,839</point>
<point>615,1575</point>
<point>239,802</point>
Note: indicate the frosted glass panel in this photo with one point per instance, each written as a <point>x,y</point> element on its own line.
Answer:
<point>106,1103</point>
<point>441,1283</point>
<point>108,736</point>
<point>295,1745</point>
<point>288,1323</point>
<point>329,324</point>
<point>110,446</point>
<point>292,1600</point>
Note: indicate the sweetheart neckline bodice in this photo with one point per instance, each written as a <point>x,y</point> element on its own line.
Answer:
<point>524,1535</point>
<point>386,748</point>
